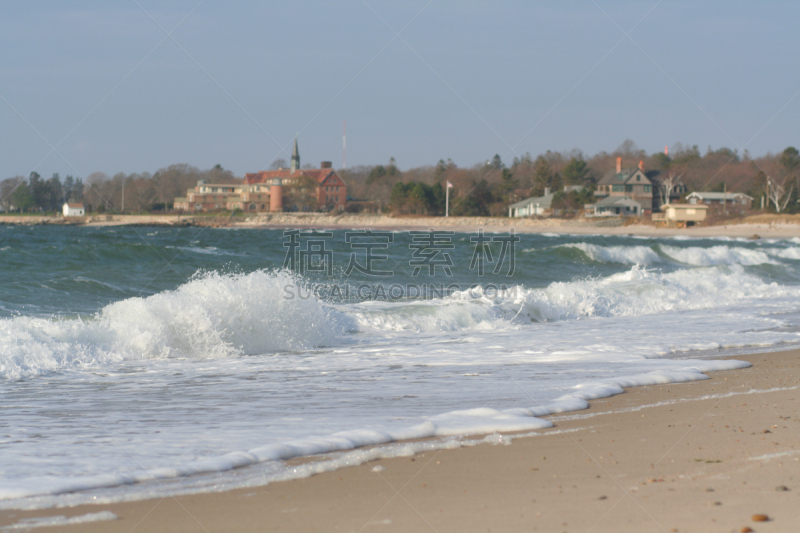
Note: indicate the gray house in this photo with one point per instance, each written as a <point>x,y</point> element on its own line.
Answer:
<point>538,205</point>
<point>612,206</point>
<point>720,198</point>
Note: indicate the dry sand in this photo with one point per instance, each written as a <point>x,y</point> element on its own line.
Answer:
<point>765,226</point>
<point>701,456</point>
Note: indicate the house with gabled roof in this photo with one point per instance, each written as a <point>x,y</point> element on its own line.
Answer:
<point>642,185</point>
<point>73,210</point>
<point>631,182</point>
<point>611,206</point>
<point>720,198</point>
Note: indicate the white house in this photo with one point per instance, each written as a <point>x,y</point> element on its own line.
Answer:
<point>690,213</point>
<point>74,210</point>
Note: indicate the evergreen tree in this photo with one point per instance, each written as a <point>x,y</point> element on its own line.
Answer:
<point>789,159</point>
<point>497,162</point>
<point>542,175</point>
<point>576,172</point>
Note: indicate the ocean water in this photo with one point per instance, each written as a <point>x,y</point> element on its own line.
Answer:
<point>139,362</point>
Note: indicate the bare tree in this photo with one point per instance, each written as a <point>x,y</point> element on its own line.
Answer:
<point>777,192</point>
<point>669,184</point>
<point>278,164</point>
<point>7,188</point>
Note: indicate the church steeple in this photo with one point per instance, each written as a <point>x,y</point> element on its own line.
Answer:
<point>295,157</point>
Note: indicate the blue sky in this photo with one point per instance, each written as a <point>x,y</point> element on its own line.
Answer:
<point>103,84</point>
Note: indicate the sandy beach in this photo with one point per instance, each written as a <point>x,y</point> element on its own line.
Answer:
<point>700,456</point>
<point>763,226</point>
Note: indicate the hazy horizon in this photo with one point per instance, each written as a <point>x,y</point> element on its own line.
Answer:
<point>113,90</point>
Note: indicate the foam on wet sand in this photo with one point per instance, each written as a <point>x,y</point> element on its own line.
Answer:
<point>697,456</point>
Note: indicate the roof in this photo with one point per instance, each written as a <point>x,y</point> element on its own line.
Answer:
<point>75,206</point>
<point>612,177</point>
<point>546,200</point>
<point>317,174</point>
<point>684,206</point>
<point>615,200</point>
<point>719,195</point>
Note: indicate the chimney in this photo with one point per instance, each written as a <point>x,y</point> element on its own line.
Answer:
<point>666,150</point>
<point>641,165</point>
<point>546,191</point>
<point>326,164</point>
<point>619,165</point>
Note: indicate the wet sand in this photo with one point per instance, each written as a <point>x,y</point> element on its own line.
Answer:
<point>700,456</point>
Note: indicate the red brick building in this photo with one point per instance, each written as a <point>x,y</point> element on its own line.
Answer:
<point>331,190</point>
<point>264,191</point>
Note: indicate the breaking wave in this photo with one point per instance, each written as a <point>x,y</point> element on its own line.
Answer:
<point>219,316</point>
<point>636,292</point>
<point>212,316</point>
<point>690,256</point>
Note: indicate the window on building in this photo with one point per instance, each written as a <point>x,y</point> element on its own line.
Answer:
<point>629,188</point>
<point>648,188</point>
<point>617,188</point>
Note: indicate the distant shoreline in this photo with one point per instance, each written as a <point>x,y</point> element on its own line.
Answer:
<point>764,226</point>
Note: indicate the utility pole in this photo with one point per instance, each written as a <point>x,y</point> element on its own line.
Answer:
<point>725,198</point>
<point>762,204</point>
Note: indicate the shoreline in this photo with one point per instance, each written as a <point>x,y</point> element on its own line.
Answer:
<point>563,478</point>
<point>757,226</point>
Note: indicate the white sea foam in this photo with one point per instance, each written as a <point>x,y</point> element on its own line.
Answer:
<point>785,253</point>
<point>691,255</point>
<point>212,316</point>
<point>636,292</point>
<point>474,421</point>
<point>219,316</point>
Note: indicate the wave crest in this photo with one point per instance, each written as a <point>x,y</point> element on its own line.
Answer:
<point>211,316</point>
<point>636,292</point>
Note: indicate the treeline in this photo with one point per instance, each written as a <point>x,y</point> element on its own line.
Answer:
<point>487,188</point>
<point>36,193</point>
<point>490,187</point>
<point>131,193</point>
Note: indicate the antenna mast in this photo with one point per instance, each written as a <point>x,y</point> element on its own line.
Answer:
<point>344,145</point>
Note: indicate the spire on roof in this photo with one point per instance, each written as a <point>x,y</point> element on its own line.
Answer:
<point>295,157</point>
